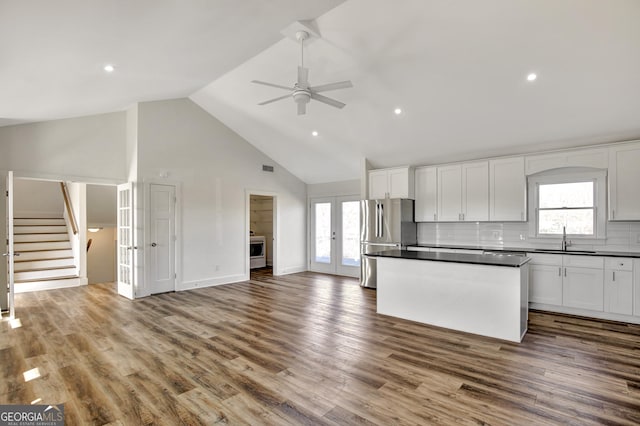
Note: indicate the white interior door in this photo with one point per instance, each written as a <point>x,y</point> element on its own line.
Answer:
<point>125,242</point>
<point>9,254</point>
<point>162,236</point>
<point>335,235</point>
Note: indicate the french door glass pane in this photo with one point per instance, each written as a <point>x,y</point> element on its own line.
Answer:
<point>323,233</point>
<point>351,233</point>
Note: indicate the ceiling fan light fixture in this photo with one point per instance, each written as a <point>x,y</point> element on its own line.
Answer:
<point>301,96</point>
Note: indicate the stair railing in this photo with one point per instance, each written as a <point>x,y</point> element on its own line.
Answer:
<point>67,203</point>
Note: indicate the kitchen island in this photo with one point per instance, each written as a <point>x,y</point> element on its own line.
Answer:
<point>476,293</point>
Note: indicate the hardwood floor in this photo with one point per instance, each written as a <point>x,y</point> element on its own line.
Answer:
<point>305,349</point>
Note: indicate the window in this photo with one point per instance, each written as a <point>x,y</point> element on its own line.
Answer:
<point>574,199</point>
<point>569,205</point>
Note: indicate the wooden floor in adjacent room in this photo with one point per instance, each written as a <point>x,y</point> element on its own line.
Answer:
<point>304,349</point>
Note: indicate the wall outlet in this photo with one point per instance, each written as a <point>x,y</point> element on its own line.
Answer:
<point>217,267</point>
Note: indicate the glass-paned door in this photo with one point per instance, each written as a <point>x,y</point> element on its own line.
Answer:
<point>125,245</point>
<point>335,235</point>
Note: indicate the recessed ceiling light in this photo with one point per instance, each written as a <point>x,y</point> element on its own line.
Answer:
<point>397,111</point>
<point>109,68</point>
<point>314,133</point>
<point>532,77</point>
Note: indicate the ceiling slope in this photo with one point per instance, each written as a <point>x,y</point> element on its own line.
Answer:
<point>53,52</point>
<point>458,71</point>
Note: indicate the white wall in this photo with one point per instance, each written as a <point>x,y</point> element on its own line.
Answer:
<point>37,198</point>
<point>334,189</point>
<point>101,206</point>
<point>101,257</point>
<point>78,199</point>
<point>179,142</point>
<point>91,147</point>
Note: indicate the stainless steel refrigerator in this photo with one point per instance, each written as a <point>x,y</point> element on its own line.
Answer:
<point>384,225</point>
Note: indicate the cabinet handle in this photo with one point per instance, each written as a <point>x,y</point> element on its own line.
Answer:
<point>565,272</point>
<point>614,275</point>
<point>559,271</point>
<point>613,213</point>
<point>434,217</point>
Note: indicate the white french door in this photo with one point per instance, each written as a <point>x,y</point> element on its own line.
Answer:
<point>125,242</point>
<point>335,235</point>
<point>10,254</point>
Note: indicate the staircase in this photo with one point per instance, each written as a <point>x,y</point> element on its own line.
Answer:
<point>46,258</point>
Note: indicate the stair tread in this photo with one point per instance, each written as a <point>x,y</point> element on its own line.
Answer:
<point>41,259</point>
<point>52,268</point>
<point>46,279</point>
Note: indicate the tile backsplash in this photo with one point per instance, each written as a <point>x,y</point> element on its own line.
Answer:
<point>621,236</point>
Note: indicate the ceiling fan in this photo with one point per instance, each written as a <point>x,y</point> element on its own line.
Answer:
<point>301,92</point>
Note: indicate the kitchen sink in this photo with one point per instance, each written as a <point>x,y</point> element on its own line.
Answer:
<point>555,251</point>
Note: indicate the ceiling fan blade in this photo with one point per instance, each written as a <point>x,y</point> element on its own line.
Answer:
<point>332,86</point>
<point>274,99</point>
<point>302,108</point>
<point>264,83</point>
<point>303,77</point>
<point>326,100</point>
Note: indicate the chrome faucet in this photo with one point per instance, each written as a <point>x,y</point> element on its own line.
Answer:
<point>565,243</point>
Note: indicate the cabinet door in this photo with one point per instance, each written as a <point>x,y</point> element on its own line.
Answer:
<point>583,288</point>
<point>507,190</point>
<point>399,183</point>
<point>378,184</point>
<point>450,193</point>
<point>426,194</point>
<point>618,292</point>
<point>545,284</point>
<point>475,191</point>
<point>624,181</point>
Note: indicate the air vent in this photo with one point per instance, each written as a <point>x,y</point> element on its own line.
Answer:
<point>266,168</point>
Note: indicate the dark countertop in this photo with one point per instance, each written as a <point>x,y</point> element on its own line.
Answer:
<point>479,259</point>
<point>536,250</point>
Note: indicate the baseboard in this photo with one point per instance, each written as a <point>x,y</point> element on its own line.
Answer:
<point>210,282</point>
<point>585,313</point>
<point>291,270</point>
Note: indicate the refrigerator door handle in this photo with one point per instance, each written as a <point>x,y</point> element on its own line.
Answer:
<point>377,215</point>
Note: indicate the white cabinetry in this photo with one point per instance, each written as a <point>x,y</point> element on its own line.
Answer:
<point>475,191</point>
<point>624,181</point>
<point>450,193</point>
<point>618,285</point>
<point>545,280</point>
<point>391,183</point>
<point>583,282</point>
<point>426,188</point>
<point>594,158</point>
<point>507,190</point>
<point>463,192</point>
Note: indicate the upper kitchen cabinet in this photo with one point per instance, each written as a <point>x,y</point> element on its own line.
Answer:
<point>426,187</point>
<point>507,190</point>
<point>624,182</point>
<point>463,192</point>
<point>397,182</point>
<point>593,158</point>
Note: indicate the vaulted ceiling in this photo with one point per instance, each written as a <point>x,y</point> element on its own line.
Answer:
<point>456,68</point>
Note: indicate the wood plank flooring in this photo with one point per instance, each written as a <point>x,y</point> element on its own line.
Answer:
<point>305,349</point>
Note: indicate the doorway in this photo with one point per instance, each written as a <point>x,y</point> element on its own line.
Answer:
<point>335,235</point>
<point>261,234</point>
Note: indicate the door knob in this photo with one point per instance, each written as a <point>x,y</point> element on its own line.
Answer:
<point>153,244</point>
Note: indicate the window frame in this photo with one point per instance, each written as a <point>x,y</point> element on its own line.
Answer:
<point>570,175</point>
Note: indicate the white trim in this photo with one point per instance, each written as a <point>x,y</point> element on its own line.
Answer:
<point>211,282</point>
<point>50,284</point>
<point>566,175</point>
<point>585,313</point>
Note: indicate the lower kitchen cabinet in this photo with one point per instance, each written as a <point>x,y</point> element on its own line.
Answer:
<point>618,286</point>
<point>583,288</point>
<point>545,284</point>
